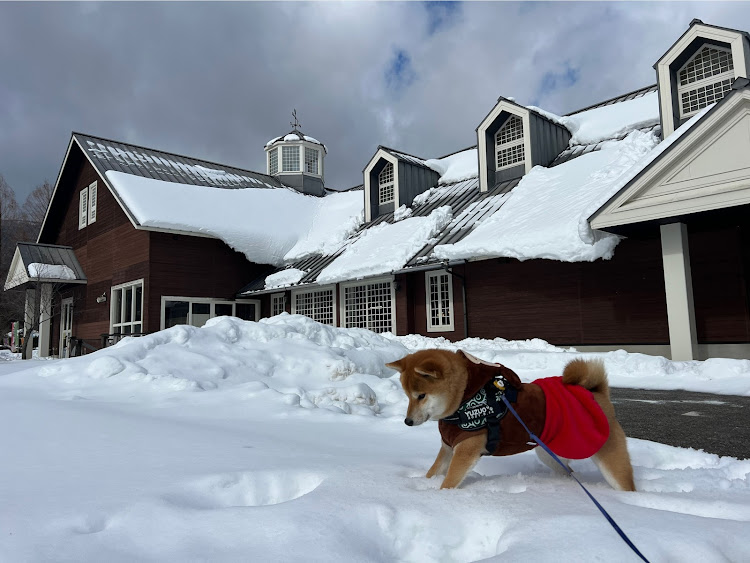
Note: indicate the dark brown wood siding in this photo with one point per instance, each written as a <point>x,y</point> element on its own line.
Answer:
<point>719,264</point>
<point>187,266</point>
<point>618,301</point>
<point>607,302</point>
<point>111,251</point>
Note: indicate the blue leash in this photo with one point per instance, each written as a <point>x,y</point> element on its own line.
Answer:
<point>569,472</point>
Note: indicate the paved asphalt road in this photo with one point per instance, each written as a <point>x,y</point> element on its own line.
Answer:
<point>719,424</point>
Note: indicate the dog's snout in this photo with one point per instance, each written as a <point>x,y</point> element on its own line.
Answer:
<point>408,422</point>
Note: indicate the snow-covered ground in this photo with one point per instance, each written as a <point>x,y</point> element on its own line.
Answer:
<point>284,441</point>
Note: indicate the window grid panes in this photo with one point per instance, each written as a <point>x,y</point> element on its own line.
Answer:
<point>311,161</point>
<point>246,311</point>
<point>440,314</point>
<point>318,305</point>
<point>385,184</point>
<point>705,79</point>
<point>196,311</point>
<point>509,143</point>
<point>694,100</point>
<point>273,161</point>
<point>708,62</point>
<point>127,309</point>
<point>369,306</point>
<point>290,159</point>
<point>278,304</point>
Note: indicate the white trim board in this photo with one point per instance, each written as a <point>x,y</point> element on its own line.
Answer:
<point>708,168</point>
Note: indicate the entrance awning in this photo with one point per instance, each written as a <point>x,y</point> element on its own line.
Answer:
<point>45,263</point>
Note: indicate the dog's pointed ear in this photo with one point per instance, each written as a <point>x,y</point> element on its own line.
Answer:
<point>430,368</point>
<point>398,365</point>
<point>466,356</point>
<point>432,374</point>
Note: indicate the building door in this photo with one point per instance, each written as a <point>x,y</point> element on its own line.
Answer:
<point>66,327</point>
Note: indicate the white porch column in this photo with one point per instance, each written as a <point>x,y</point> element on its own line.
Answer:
<point>45,320</point>
<point>679,289</point>
<point>28,317</point>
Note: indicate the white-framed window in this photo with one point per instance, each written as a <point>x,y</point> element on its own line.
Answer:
<point>83,208</point>
<point>278,303</point>
<point>311,161</point>
<point>386,184</point>
<point>196,311</point>
<point>126,308</point>
<point>704,79</point>
<point>273,161</point>
<point>290,159</point>
<point>439,290</point>
<point>319,304</point>
<point>509,143</point>
<point>92,202</point>
<point>370,305</point>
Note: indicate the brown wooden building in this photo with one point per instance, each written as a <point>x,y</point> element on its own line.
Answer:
<point>676,284</point>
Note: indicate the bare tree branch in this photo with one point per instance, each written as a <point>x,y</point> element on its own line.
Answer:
<point>35,206</point>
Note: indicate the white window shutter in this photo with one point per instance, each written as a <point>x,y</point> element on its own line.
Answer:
<point>92,203</point>
<point>83,208</point>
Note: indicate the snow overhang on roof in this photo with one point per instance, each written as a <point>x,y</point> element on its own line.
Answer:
<point>44,263</point>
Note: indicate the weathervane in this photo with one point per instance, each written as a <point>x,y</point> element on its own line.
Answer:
<point>296,124</point>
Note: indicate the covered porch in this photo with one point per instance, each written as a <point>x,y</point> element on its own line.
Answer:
<point>42,270</point>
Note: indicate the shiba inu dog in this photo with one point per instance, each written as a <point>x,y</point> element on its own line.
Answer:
<point>572,414</point>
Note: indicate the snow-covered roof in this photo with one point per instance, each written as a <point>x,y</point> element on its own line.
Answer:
<point>541,215</point>
<point>269,226</point>
<point>106,155</point>
<point>251,212</point>
<point>48,263</point>
<point>295,135</point>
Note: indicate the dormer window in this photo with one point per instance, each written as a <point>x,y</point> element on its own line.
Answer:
<point>509,143</point>
<point>273,161</point>
<point>290,159</point>
<point>385,184</point>
<point>705,79</point>
<point>311,161</point>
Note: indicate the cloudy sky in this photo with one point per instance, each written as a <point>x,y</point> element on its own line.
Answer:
<point>216,81</point>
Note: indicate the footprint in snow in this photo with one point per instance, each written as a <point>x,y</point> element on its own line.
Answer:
<point>261,488</point>
<point>90,524</point>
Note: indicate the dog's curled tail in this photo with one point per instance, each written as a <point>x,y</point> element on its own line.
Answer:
<point>587,373</point>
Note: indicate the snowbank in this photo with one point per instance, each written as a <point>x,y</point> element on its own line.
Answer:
<point>284,439</point>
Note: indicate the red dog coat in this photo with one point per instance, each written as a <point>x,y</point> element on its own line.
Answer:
<point>575,426</point>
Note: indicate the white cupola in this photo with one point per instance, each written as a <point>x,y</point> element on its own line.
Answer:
<point>296,160</point>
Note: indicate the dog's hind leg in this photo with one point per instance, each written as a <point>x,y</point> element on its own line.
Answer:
<point>466,454</point>
<point>443,460</point>
<point>550,462</point>
<point>613,459</point>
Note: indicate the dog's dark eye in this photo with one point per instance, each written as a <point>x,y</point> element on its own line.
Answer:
<point>420,397</point>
